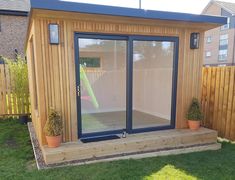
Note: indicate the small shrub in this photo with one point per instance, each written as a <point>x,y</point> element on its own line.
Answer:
<point>194,112</point>
<point>54,124</point>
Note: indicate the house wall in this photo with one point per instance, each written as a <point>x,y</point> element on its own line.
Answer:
<point>13,31</point>
<point>55,64</point>
<point>213,47</point>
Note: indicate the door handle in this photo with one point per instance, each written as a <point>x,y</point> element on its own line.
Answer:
<point>78,90</point>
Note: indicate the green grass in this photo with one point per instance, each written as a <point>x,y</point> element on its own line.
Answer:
<point>17,162</point>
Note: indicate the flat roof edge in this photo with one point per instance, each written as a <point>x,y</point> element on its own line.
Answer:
<point>13,13</point>
<point>60,5</point>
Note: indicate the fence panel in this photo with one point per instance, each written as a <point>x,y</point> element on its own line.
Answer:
<point>10,104</point>
<point>218,100</point>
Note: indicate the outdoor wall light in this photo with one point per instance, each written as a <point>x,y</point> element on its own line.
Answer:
<point>194,40</point>
<point>54,33</point>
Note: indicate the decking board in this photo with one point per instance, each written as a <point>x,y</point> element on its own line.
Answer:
<point>136,143</point>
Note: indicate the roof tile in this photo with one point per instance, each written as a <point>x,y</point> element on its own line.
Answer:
<point>227,6</point>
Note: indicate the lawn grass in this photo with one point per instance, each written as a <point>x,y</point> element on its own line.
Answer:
<point>17,162</point>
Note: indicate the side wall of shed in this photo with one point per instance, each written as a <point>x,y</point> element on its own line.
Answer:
<point>34,75</point>
<point>55,64</point>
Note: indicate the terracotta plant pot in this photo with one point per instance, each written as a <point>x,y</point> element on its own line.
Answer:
<point>194,125</point>
<point>53,141</point>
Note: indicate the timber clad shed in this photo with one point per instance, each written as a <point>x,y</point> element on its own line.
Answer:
<point>112,70</point>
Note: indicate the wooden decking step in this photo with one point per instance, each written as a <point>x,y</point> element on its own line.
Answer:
<point>134,146</point>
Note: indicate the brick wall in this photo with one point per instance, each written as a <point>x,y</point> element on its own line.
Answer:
<point>213,47</point>
<point>12,35</point>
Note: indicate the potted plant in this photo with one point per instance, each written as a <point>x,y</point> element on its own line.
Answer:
<point>20,89</point>
<point>194,115</point>
<point>53,129</point>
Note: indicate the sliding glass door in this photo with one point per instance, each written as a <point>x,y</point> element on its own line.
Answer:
<point>102,86</point>
<point>152,83</point>
<point>125,83</point>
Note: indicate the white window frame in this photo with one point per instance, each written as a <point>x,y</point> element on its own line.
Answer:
<point>208,54</point>
<point>223,40</point>
<point>223,55</point>
<point>208,39</point>
<point>226,26</point>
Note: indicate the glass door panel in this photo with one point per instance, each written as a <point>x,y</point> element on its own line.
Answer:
<point>152,83</point>
<point>102,84</point>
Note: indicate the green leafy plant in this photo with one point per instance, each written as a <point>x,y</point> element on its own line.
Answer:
<point>194,112</point>
<point>19,75</point>
<point>54,124</point>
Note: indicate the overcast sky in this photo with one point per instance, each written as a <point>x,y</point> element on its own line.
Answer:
<point>187,6</point>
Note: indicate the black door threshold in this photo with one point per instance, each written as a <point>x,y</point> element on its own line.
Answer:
<point>99,138</point>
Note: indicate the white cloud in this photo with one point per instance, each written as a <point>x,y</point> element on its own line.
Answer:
<point>186,6</point>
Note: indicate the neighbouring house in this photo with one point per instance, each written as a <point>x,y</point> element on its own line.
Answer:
<point>112,71</point>
<point>220,42</point>
<point>13,26</point>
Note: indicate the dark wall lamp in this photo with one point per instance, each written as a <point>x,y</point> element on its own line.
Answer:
<point>54,33</point>
<point>194,40</point>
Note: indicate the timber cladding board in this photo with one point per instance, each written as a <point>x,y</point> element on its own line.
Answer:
<point>55,64</point>
<point>133,144</point>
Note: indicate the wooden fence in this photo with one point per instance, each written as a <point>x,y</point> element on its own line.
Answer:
<point>218,100</point>
<point>10,104</point>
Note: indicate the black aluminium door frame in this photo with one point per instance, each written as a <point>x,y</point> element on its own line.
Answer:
<point>77,67</point>
<point>129,80</point>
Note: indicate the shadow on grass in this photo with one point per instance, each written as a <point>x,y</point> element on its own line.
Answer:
<point>18,163</point>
